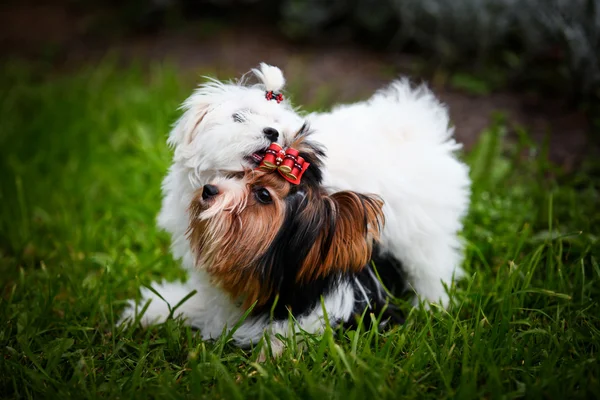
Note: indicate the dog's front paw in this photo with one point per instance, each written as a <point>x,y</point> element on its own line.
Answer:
<point>151,309</point>
<point>136,313</point>
<point>274,348</point>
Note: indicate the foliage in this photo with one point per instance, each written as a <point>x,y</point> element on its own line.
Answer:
<point>81,160</point>
<point>521,35</point>
<point>547,43</point>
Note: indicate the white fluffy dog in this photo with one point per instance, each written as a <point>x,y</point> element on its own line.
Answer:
<point>397,145</point>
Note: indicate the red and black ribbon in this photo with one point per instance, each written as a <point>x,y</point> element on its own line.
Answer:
<point>270,95</point>
<point>287,162</point>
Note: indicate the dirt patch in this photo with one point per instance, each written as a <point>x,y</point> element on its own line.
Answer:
<point>334,73</point>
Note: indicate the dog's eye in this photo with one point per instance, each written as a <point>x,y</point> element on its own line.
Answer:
<point>237,117</point>
<point>235,175</point>
<point>263,196</point>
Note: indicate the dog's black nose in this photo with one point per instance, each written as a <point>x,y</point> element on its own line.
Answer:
<point>271,134</point>
<point>209,191</point>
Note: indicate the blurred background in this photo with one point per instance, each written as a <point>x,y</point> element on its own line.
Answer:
<point>533,63</point>
<point>90,88</point>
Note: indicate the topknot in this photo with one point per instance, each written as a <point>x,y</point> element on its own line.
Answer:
<point>270,76</point>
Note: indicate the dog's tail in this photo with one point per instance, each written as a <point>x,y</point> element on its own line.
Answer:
<point>418,113</point>
<point>270,76</point>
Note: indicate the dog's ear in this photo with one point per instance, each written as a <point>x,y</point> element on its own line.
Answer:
<point>190,123</point>
<point>349,224</point>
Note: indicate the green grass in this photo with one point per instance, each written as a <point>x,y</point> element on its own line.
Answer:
<point>81,160</point>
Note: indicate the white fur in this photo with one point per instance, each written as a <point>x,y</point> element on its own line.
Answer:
<point>212,312</point>
<point>397,144</point>
<point>271,77</point>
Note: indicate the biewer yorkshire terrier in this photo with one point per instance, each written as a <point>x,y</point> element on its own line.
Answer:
<point>273,213</point>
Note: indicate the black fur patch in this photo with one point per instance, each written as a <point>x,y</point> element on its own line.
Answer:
<point>283,260</point>
<point>312,153</point>
<point>390,272</point>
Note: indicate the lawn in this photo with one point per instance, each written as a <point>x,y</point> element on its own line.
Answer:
<point>82,156</point>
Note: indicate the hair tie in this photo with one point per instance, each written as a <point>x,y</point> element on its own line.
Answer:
<point>270,95</point>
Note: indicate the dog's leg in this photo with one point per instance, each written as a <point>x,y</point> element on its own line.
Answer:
<point>433,274</point>
<point>160,307</point>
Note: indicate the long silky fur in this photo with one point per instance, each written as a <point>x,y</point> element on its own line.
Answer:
<point>314,239</point>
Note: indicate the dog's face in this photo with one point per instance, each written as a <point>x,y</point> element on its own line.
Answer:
<point>257,234</point>
<point>227,127</point>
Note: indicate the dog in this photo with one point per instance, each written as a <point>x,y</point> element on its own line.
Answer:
<point>393,152</point>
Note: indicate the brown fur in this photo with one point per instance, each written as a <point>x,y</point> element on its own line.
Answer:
<point>229,243</point>
<point>239,238</point>
<point>358,223</point>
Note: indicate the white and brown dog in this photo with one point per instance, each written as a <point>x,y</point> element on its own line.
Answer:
<point>250,238</point>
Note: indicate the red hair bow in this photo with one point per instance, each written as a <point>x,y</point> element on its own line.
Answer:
<point>287,162</point>
<point>270,95</point>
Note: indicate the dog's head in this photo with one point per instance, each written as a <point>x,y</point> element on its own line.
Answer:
<point>258,235</point>
<point>227,126</point>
